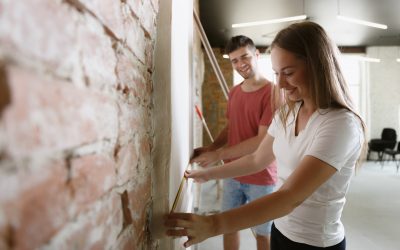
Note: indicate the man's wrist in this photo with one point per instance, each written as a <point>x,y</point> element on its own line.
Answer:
<point>220,153</point>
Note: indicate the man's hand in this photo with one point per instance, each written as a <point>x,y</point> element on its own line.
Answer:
<point>199,151</point>
<point>207,158</point>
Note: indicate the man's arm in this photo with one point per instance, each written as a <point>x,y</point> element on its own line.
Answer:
<point>222,153</point>
<point>243,148</point>
<point>246,165</point>
<point>219,142</point>
<point>221,139</point>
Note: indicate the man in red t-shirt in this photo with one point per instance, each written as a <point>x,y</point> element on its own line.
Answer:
<point>249,114</point>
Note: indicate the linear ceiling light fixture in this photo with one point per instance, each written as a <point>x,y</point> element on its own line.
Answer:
<point>362,22</point>
<point>358,21</point>
<point>369,59</point>
<point>270,21</point>
<point>398,54</point>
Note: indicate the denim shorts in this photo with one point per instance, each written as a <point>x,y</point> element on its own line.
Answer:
<point>237,194</point>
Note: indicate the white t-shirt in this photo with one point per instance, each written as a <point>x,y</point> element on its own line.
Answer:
<point>335,137</point>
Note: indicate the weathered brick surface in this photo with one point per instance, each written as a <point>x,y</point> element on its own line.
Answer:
<point>135,36</point>
<point>91,177</point>
<point>127,162</point>
<point>214,102</point>
<point>40,208</point>
<point>96,229</point>
<point>76,123</point>
<point>40,31</point>
<point>134,81</point>
<point>109,12</point>
<point>140,196</point>
<point>51,115</point>
<point>98,55</point>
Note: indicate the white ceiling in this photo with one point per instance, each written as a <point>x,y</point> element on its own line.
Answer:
<point>217,16</point>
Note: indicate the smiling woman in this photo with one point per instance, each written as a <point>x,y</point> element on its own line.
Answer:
<point>303,140</point>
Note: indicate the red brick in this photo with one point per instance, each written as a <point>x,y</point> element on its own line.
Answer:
<point>127,161</point>
<point>135,37</point>
<point>145,145</point>
<point>98,55</point>
<point>139,198</point>
<point>133,119</point>
<point>110,14</point>
<point>134,78</point>
<point>46,44</point>
<point>96,229</point>
<point>146,12</point>
<point>135,6</point>
<point>91,177</point>
<point>73,114</point>
<point>214,102</point>
<point>148,18</point>
<point>150,54</point>
<point>40,209</point>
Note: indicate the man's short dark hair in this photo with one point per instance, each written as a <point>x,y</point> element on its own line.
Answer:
<point>238,42</point>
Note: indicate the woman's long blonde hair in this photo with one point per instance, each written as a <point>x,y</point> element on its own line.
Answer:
<point>328,88</point>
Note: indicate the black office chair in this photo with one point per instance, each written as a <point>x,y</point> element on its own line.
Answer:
<point>392,154</point>
<point>387,141</point>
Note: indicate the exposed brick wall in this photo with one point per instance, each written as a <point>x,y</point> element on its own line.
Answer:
<point>214,102</point>
<point>75,123</point>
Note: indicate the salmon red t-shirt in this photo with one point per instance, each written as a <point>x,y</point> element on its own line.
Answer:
<point>246,112</point>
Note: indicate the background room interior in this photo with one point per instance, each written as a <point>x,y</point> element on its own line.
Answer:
<point>98,120</point>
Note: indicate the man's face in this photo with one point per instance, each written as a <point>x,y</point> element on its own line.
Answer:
<point>244,61</point>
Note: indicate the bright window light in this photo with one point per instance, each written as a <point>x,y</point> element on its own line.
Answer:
<point>265,67</point>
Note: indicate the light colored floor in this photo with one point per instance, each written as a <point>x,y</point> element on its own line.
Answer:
<point>371,215</point>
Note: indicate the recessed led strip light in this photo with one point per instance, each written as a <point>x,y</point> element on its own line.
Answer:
<point>270,21</point>
<point>362,22</point>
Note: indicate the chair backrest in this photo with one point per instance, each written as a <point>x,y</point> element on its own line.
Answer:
<point>389,134</point>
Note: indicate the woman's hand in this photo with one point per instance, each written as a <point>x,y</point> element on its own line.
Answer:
<point>196,227</point>
<point>199,176</point>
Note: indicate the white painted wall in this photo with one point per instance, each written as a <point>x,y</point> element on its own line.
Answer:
<point>384,90</point>
<point>181,92</point>
<point>173,113</point>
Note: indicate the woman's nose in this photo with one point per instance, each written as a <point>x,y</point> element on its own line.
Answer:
<point>280,81</point>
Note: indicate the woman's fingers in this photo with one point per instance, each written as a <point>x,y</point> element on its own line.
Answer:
<point>197,175</point>
<point>178,223</point>
<point>177,232</point>
<point>196,227</point>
